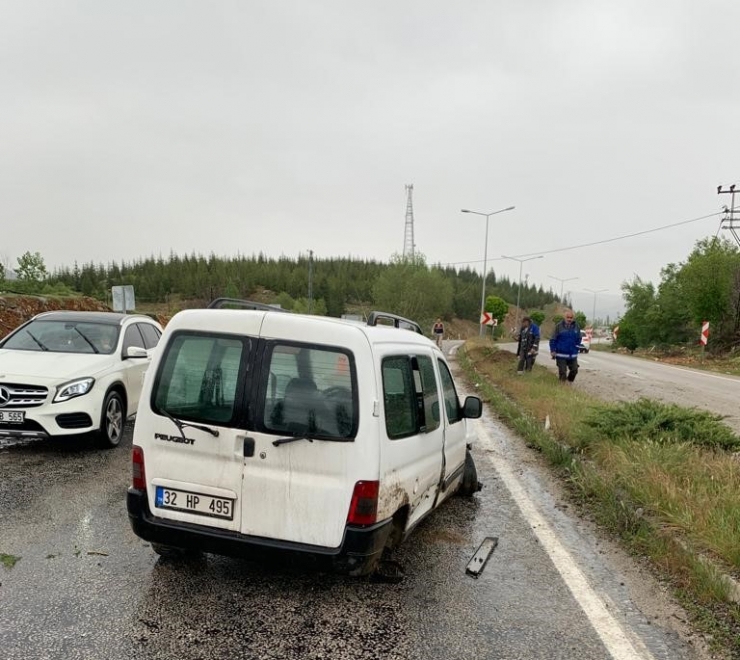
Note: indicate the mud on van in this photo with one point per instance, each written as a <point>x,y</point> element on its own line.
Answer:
<point>260,429</point>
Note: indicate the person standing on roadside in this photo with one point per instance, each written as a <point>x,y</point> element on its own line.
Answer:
<point>438,330</point>
<point>529,344</point>
<point>564,347</point>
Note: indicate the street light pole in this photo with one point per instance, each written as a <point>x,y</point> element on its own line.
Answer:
<point>562,282</point>
<point>485,259</point>
<point>593,314</point>
<point>519,288</point>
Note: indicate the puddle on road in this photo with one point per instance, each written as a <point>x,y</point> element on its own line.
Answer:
<point>446,536</point>
<point>7,443</point>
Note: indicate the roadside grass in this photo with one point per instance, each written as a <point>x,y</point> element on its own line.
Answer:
<point>662,478</point>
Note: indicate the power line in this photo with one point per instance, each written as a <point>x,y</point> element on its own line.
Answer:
<point>606,240</point>
<point>620,238</point>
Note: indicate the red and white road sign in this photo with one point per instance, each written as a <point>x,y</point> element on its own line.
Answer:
<point>704,333</point>
<point>487,319</point>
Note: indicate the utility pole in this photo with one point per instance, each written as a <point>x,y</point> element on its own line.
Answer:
<point>562,282</point>
<point>485,261</point>
<point>310,281</point>
<point>730,220</point>
<point>408,234</point>
<point>519,288</point>
<point>593,314</point>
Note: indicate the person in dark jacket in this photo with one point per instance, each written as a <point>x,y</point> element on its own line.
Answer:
<point>564,347</point>
<point>529,344</point>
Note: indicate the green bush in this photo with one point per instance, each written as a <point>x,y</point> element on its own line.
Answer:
<point>648,420</point>
<point>538,316</point>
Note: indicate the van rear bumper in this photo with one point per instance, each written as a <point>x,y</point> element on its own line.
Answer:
<point>357,555</point>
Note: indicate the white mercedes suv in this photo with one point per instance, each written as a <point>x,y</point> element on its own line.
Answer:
<point>67,373</point>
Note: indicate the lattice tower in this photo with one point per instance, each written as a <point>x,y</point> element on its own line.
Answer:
<point>408,234</point>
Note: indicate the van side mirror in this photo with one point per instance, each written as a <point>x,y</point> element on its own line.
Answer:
<point>135,352</point>
<point>472,408</point>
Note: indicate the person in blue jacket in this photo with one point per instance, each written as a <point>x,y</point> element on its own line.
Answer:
<point>564,347</point>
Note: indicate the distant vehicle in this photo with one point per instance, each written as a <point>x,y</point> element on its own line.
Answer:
<point>585,345</point>
<point>65,373</point>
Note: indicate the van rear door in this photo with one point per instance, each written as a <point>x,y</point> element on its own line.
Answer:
<point>304,460</point>
<point>201,380</point>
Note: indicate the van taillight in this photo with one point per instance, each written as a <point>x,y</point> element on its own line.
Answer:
<point>363,509</point>
<point>139,480</point>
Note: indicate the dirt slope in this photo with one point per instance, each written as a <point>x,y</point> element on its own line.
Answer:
<point>15,309</point>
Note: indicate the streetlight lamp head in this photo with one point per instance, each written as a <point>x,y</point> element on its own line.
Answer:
<point>464,210</point>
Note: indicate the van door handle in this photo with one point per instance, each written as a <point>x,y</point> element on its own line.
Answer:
<point>248,447</point>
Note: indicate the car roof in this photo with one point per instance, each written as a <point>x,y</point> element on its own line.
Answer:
<point>109,318</point>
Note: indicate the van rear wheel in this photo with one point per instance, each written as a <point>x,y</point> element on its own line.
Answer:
<point>171,552</point>
<point>470,484</point>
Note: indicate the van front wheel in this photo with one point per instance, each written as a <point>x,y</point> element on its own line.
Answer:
<point>470,484</point>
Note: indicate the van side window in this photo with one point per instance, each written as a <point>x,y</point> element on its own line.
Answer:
<point>198,378</point>
<point>452,403</point>
<point>310,390</point>
<point>410,396</point>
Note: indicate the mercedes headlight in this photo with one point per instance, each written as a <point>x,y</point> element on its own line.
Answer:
<point>73,388</point>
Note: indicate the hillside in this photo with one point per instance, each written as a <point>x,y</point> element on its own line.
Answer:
<point>16,309</point>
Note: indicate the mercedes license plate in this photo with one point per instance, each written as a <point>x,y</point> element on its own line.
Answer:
<point>204,505</point>
<point>12,417</point>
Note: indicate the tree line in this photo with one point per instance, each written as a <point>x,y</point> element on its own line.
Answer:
<point>406,286</point>
<point>705,287</point>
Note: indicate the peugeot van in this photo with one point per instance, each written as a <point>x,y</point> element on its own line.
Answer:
<point>261,429</point>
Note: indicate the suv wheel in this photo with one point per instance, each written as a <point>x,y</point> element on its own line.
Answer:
<point>112,420</point>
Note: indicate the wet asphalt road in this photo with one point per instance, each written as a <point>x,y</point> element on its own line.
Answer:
<point>86,587</point>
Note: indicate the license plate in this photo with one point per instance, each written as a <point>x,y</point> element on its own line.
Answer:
<point>12,417</point>
<point>204,505</point>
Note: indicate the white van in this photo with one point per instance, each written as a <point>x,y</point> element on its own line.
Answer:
<point>260,429</point>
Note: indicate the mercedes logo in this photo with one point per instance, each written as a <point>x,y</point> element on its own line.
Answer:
<point>4,396</point>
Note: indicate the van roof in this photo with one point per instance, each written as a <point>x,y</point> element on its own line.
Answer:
<point>385,318</point>
<point>204,319</point>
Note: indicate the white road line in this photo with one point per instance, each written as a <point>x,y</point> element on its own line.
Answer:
<point>687,370</point>
<point>698,372</point>
<point>613,636</point>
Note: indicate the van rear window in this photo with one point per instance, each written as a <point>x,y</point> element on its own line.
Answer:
<point>198,378</point>
<point>310,390</point>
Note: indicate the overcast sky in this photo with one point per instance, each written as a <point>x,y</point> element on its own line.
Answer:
<point>130,129</point>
